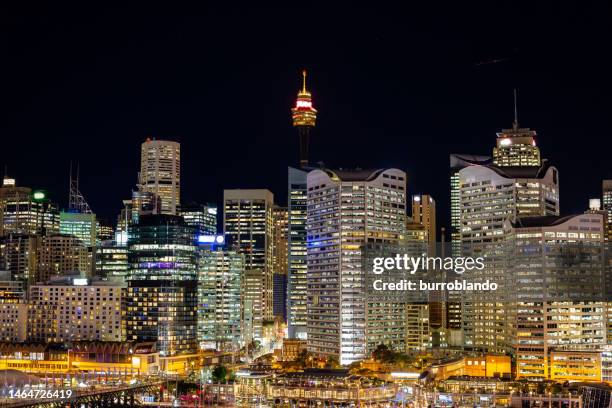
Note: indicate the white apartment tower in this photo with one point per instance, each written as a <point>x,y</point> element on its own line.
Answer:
<point>346,210</point>
<point>160,172</point>
<point>488,196</point>
<point>557,271</point>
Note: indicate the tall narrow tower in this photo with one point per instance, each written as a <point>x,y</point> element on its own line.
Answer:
<point>304,119</point>
<point>160,172</point>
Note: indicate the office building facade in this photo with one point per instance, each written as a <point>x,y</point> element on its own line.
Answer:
<point>220,275</point>
<point>424,213</point>
<point>346,210</point>
<point>556,271</point>
<point>297,295</point>
<point>249,229</point>
<point>24,211</point>
<point>160,172</point>
<point>489,195</point>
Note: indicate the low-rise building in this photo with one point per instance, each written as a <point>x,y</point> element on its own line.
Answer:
<point>82,360</point>
<point>322,387</point>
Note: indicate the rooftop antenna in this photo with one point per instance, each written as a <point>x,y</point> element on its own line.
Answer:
<point>76,201</point>
<point>515,123</point>
<point>304,81</point>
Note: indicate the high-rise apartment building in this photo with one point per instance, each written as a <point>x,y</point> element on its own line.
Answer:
<point>249,229</point>
<point>160,172</point>
<point>30,258</point>
<point>458,162</point>
<point>163,311</point>
<point>424,213</point>
<point>297,271</point>
<point>19,257</point>
<point>220,275</point>
<point>162,284</point>
<point>23,211</point>
<point>280,249</point>
<point>61,255</point>
<point>606,202</point>
<point>347,210</point>
<point>489,195</point>
<point>556,273</point>
<point>280,262</point>
<point>67,310</point>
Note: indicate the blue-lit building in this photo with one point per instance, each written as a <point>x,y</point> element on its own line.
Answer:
<point>162,283</point>
<point>161,246</point>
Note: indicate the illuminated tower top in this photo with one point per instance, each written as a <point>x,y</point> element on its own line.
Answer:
<point>304,114</point>
<point>304,119</point>
<point>516,146</point>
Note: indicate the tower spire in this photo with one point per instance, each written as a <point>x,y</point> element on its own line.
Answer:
<point>304,81</point>
<point>515,124</point>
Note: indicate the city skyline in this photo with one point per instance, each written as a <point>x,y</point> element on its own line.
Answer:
<point>286,207</point>
<point>447,97</point>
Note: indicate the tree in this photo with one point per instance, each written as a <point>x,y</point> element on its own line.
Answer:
<point>332,362</point>
<point>219,373</point>
<point>304,358</point>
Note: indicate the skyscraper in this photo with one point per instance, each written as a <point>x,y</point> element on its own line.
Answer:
<point>83,226</point>
<point>280,261</point>
<point>489,195</point>
<point>24,211</point>
<point>220,274</point>
<point>19,256</point>
<point>297,272</point>
<point>203,217</point>
<point>347,210</point>
<point>160,172</point>
<point>111,260</point>
<point>249,226</point>
<point>163,311</point>
<point>162,284</point>
<point>606,200</point>
<point>516,146</point>
<point>424,213</point>
<point>161,246</point>
<point>555,267</point>
<point>458,162</point>
<point>60,255</point>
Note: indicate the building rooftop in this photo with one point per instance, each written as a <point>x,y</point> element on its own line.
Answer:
<point>459,161</point>
<point>514,172</point>
<point>543,221</point>
<point>354,174</point>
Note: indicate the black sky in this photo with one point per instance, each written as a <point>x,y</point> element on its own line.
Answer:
<point>394,86</point>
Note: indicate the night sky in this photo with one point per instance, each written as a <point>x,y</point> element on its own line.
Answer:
<point>395,87</point>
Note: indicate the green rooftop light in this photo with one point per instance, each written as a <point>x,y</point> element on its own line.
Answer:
<point>39,195</point>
